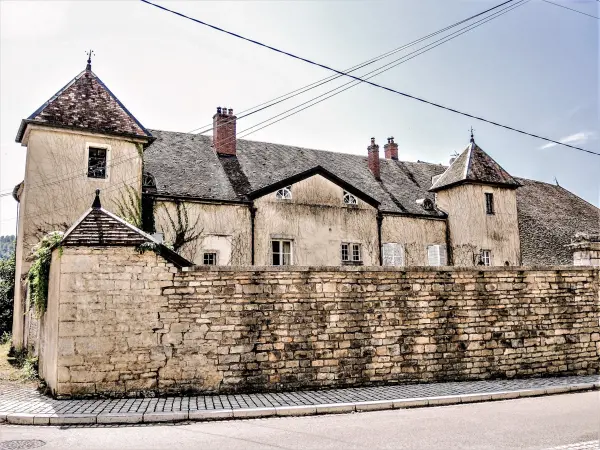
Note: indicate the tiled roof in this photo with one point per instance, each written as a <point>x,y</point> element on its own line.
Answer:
<point>186,165</point>
<point>86,103</point>
<point>99,227</point>
<point>549,216</point>
<point>474,165</point>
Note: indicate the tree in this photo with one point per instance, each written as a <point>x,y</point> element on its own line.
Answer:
<point>7,246</point>
<point>7,291</point>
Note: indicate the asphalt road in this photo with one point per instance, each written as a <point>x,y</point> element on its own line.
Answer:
<point>532,423</point>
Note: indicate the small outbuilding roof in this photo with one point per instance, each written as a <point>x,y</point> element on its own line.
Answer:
<point>99,227</point>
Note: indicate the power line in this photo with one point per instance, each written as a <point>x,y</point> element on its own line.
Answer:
<point>570,9</point>
<point>354,68</point>
<point>80,172</point>
<point>404,94</point>
<point>381,69</point>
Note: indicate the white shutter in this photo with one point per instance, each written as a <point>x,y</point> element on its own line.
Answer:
<point>443,255</point>
<point>393,254</point>
<point>437,255</point>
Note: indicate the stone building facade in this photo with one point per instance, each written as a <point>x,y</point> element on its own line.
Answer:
<point>227,202</point>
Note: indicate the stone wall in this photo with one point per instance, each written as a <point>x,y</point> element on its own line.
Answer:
<point>131,323</point>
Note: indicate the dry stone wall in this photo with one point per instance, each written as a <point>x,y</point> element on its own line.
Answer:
<point>133,324</point>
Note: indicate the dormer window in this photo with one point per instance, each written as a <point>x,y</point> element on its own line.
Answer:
<point>284,193</point>
<point>349,199</point>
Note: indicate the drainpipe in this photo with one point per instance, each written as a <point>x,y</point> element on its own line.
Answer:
<point>252,216</point>
<point>379,224</point>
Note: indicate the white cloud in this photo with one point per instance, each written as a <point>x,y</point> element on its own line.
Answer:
<point>578,138</point>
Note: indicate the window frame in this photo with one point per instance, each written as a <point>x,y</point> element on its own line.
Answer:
<point>206,253</point>
<point>94,145</point>
<point>351,249</point>
<point>286,193</point>
<point>490,210</point>
<point>281,253</point>
<point>485,256</point>
<point>349,196</point>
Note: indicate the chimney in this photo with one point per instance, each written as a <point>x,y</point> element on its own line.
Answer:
<point>391,149</point>
<point>224,131</point>
<point>374,158</point>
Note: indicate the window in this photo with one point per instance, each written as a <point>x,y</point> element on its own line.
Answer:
<point>349,199</point>
<point>97,162</point>
<point>210,259</point>
<point>281,252</point>
<point>436,255</point>
<point>393,254</point>
<point>489,203</point>
<point>284,193</point>
<point>485,258</point>
<point>351,253</point>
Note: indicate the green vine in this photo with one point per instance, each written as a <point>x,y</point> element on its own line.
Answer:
<point>39,273</point>
<point>147,247</point>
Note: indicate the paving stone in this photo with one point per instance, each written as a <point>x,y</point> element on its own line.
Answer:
<point>72,419</point>
<point>375,405</point>
<point>211,414</point>
<point>253,412</point>
<point>24,405</point>
<point>166,416</point>
<point>120,418</point>
<point>304,410</point>
<point>336,408</point>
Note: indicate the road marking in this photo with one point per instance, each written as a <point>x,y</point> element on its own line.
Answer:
<point>589,445</point>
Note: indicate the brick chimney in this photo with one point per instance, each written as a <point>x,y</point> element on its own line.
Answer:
<point>374,158</point>
<point>224,131</point>
<point>391,149</point>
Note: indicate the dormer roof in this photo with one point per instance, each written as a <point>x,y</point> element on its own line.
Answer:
<point>474,165</point>
<point>86,103</point>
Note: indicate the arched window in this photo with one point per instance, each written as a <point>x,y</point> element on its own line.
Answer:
<point>148,181</point>
<point>349,199</point>
<point>284,193</point>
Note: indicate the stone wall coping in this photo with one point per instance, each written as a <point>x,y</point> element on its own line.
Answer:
<point>387,269</point>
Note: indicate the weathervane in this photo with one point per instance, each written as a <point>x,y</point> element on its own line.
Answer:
<point>472,137</point>
<point>89,60</point>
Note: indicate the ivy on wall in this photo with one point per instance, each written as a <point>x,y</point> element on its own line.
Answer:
<point>39,273</point>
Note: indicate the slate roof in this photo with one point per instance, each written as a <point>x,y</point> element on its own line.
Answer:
<point>86,103</point>
<point>99,227</point>
<point>549,216</point>
<point>474,165</point>
<point>185,165</point>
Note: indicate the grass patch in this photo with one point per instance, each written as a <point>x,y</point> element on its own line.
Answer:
<point>19,368</point>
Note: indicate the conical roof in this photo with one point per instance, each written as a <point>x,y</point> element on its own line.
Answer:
<point>476,166</point>
<point>86,103</point>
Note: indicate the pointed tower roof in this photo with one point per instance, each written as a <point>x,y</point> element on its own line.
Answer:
<point>85,103</point>
<point>475,166</point>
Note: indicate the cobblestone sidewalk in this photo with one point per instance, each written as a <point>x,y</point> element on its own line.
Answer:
<point>26,406</point>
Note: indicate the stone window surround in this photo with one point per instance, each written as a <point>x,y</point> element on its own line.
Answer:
<point>350,253</point>
<point>281,238</point>
<point>213,252</point>
<point>86,155</point>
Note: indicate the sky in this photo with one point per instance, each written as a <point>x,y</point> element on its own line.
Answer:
<point>534,68</point>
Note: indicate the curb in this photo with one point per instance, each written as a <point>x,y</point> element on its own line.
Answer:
<point>282,411</point>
